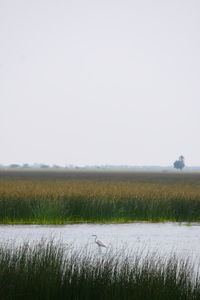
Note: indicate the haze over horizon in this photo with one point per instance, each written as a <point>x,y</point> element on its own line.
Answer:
<point>99,82</point>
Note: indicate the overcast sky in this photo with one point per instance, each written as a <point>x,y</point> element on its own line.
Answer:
<point>99,82</point>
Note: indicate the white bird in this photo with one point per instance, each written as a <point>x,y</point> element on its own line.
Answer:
<point>98,242</point>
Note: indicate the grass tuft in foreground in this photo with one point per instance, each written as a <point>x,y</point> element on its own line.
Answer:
<point>49,271</point>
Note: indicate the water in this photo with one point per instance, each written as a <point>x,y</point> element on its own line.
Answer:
<point>164,238</point>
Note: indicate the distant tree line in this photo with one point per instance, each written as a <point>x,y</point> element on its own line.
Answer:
<point>179,164</point>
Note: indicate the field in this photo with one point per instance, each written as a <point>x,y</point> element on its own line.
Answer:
<point>59,271</point>
<point>47,271</point>
<point>58,197</point>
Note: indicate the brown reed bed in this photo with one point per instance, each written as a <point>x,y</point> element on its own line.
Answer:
<point>62,197</point>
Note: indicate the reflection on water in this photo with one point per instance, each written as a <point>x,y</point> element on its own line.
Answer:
<point>161,237</point>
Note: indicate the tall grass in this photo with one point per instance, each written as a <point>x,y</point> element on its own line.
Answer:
<point>49,271</point>
<point>59,197</point>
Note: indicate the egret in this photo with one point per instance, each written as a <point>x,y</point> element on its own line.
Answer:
<point>98,242</point>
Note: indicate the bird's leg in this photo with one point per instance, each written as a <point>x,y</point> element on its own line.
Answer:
<point>100,252</point>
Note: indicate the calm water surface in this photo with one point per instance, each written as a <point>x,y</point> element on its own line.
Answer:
<point>164,238</point>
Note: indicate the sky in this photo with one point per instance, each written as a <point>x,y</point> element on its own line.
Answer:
<point>89,82</point>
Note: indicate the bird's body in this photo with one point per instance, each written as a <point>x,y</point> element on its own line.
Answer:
<point>98,242</point>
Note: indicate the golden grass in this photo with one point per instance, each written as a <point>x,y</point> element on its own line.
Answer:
<point>46,197</point>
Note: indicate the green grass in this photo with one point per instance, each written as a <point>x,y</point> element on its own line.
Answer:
<point>48,271</point>
<point>74,197</point>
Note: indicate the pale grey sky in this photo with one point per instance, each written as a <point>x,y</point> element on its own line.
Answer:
<point>99,82</point>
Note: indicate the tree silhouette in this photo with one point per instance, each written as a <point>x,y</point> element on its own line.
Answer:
<point>179,164</point>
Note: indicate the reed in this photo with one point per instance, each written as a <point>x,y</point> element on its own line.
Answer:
<point>69,197</point>
<point>50,271</point>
